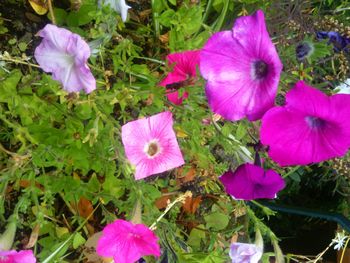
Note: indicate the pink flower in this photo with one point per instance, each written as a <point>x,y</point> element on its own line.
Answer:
<point>184,71</point>
<point>12,256</point>
<point>126,242</point>
<point>245,253</point>
<point>65,55</point>
<point>310,128</point>
<point>150,144</point>
<point>242,69</point>
<point>251,182</point>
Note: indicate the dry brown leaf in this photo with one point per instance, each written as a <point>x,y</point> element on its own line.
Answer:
<point>85,208</point>
<point>191,204</point>
<point>33,237</point>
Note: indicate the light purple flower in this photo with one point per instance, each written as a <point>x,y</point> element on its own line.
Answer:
<point>245,253</point>
<point>118,5</point>
<point>126,242</point>
<point>150,144</point>
<point>242,69</point>
<point>251,182</point>
<point>12,256</point>
<point>65,55</point>
<point>312,127</point>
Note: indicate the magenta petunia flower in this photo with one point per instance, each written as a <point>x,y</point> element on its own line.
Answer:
<point>126,242</point>
<point>12,256</point>
<point>245,253</point>
<point>150,144</point>
<point>65,55</point>
<point>251,182</point>
<point>185,69</point>
<point>311,127</point>
<point>242,69</point>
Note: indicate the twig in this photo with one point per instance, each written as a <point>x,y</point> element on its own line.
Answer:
<point>49,3</point>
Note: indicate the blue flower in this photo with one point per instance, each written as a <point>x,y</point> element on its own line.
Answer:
<point>339,42</point>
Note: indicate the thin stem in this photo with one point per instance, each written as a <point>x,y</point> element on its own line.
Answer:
<point>49,3</point>
<point>322,253</point>
<point>344,249</point>
<point>18,61</point>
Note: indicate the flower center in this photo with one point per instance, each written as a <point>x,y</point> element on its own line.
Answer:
<point>152,149</point>
<point>315,122</point>
<point>259,70</point>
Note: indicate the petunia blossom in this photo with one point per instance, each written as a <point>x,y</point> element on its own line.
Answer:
<point>126,242</point>
<point>150,144</point>
<point>311,127</point>
<point>245,253</point>
<point>118,5</point>
<point>12,256</point>
<point>184,70</point>
<point>65,55</point>
<point>242,69</point>
<point>250,182</point>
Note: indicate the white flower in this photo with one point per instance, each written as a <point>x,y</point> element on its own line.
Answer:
<point>118,5</point>
<point>344,87</point>
<point>339,240</point>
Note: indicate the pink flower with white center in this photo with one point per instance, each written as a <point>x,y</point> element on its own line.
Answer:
<point>184,72</point>
<point>126,242</point>
<point>310,128</point>
<point>242,69</point>
<point>150,144</point>
<point>65,55</point>
<point>12,256</point>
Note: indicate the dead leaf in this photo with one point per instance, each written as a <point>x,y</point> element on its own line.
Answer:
<point>90,250</point>
<point>40,6</point>
<point>164,38</point>
<point>191,204</point>
<point>85,208</point>
<point>33,237</point>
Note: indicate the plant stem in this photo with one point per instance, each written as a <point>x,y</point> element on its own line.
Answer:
<point>49,3</point>
<point>344,249</point>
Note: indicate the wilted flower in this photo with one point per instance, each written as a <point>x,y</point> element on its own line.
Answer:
<point>251,182</point>
<point>12,256</point>
<point>339,240</point>
<point>65,55</point>
<point>311,127</point>
<point>150,144</point>
<point>339,42</point>
<point>304,50</point>
<point>118,5</point>
<point>126,242</point>
<point>184,70</point>
<point>245,253</point>
<point>242,69</point>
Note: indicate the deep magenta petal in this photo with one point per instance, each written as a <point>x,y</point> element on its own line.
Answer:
<point>22,256</point>
<point>310,128</point>
<point>251,182</point>
<point>242,69</point>
<point>126,242</point>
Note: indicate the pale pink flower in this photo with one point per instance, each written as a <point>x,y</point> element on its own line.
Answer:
<point>126,242</point>
<point>245,253</point>
<point>12,256</point>
<point>184,71</point>
<point>150,144</point>
<point>65,55</point>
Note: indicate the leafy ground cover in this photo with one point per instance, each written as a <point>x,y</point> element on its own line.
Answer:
<point>70,155</point>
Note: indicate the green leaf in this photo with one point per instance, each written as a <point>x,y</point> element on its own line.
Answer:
<point>196,236</point>
<point>217,221</point>
<point>78,240</point>
<point>81,17</point>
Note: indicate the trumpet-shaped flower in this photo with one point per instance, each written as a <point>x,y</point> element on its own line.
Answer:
<point>118,5</point>
<point>185,68</point>
<point>242,69</point>
<point>12,256</point>
<point>65,55</point>
<point>126,242</point>
<point>312,127</point>
<point>150,144</point>
<point>251,182</point>
<point>245,253</point>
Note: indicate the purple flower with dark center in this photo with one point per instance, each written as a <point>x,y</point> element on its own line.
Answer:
<point>242,69</point>
<point>65,55</point>
<point>250,182</point>
<point>311,127</point>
